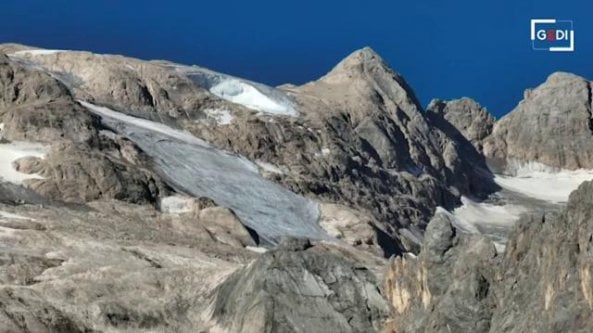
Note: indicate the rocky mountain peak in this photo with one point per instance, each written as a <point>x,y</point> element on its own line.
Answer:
<point>471,120</point>
<point>359,59</point>
<point>551,125</point>
<point>364,75</point>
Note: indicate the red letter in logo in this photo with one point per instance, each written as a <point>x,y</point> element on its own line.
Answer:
<point>551,35</point>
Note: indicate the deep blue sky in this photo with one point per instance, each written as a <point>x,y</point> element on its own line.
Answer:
<point>445,49</point>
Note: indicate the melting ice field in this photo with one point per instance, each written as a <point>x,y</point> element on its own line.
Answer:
<point>194,167</point>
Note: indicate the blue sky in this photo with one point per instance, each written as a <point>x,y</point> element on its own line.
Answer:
<point>445,49</point>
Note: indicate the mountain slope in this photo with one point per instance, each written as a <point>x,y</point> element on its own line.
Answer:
<point>356,137</point>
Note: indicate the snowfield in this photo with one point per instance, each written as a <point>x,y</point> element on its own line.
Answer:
<point>526,187</point>
<point>10,152</point>
<point>193,167</point>
<point>471,213</point>
<point>541,182</point>
<point>252,95</point>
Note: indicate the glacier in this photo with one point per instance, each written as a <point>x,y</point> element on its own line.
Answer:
<point>252,95</point>
<point>193,167</point>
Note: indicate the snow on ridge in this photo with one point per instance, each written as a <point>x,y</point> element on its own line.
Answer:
<point>36,52</point>
<point>542,182</point>
<point>253,95</point>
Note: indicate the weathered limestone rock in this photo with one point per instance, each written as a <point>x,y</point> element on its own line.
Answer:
<point>552,125</point>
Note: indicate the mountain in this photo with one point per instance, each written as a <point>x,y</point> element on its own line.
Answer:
<point>356,137</point>
<point>467,116</point>
<point>147,195</point>
<point>551,125</point>
<point>542,283</point>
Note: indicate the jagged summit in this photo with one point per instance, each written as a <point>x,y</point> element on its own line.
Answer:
<point>367,65</point>
<point>363,76</point>
<point>362,57</point>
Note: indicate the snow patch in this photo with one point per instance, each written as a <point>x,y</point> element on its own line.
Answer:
<point>177,204</point>
<point>252,95</point>
<point>10,152</point>
<point>542,182</point>
<point>484,218</point>
<point>256,249</point>
<point>239,92</point>
<point>222,117</point>
<point>323,152</point>
<point>475,213</point>
<point>7,215</point>
<point>269,167</point>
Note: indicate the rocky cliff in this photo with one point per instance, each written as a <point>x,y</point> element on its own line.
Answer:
<point>542,283</point>
<point>551,125</point>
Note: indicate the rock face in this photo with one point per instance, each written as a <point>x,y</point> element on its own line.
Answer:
<point>467,116</point>
<point>552,125</point>
<point>359,138</point>
<point>299,288</point>
<point>542,283</point>
<point>362,141</point>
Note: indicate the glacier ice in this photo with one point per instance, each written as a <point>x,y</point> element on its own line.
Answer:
<point>253,95</point>
<point>194,167</point>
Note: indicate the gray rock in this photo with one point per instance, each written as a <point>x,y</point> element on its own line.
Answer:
<point>542,283</point>
<point>78,174</point>
<point>299,288</point>
<point>467,116</point>
<point>552,125</point>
